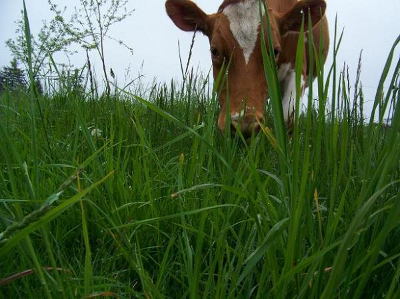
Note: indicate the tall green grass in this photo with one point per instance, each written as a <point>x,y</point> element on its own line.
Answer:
<point>142,197</point>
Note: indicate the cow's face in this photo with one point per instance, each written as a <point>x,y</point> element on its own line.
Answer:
<point>234,35</point>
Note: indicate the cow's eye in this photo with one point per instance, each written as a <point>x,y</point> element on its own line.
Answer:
<point>276,52</point>
<point>214,52</point>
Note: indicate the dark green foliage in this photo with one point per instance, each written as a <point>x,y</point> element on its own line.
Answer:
<point>12,77</point>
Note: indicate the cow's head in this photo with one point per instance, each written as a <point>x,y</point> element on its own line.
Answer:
<point>234,35</point>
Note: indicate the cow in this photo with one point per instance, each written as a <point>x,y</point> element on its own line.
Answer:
<point>234,34</point>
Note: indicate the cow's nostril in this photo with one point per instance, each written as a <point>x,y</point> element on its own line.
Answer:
<point>233,128</point>
<point>246,129</point>
<point>246,125</point>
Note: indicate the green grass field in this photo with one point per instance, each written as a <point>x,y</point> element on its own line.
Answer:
<point>143,197</point>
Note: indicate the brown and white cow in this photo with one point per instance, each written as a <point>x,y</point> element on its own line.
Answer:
<point>234,35</point>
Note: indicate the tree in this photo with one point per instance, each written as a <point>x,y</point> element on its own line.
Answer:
<point>48,42</point>
<point>88,27</point>
<point>90,24</point>
<point>12,77</point>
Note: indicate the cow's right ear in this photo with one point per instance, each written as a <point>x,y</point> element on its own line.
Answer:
<point>292,20</point>
<point>187,15</point>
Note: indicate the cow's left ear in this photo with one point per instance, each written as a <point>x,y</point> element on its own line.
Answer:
<point>291,20</point>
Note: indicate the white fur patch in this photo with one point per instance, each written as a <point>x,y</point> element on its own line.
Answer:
<point>242,113</point>
<point>289,96</point>
<point>244,19</point>
<point>235,116</point>
<point>287,79</point>
<point>283,71</point>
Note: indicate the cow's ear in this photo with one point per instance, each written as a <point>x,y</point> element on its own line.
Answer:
<point>291,20</point>
<point>187,15</point>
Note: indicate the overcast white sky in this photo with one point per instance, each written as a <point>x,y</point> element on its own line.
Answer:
<point>369,25</point>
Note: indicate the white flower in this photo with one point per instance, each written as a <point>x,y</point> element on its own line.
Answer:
<point>96,133</point>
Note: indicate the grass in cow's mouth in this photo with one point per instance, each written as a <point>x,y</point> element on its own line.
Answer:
<point>142,197</point>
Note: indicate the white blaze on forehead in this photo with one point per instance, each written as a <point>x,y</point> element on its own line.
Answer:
<point>244,19</point>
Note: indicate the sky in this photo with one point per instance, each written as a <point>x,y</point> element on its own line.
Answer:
<point>370,26</point>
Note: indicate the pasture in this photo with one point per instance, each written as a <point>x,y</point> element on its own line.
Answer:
<point>139,195</point>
